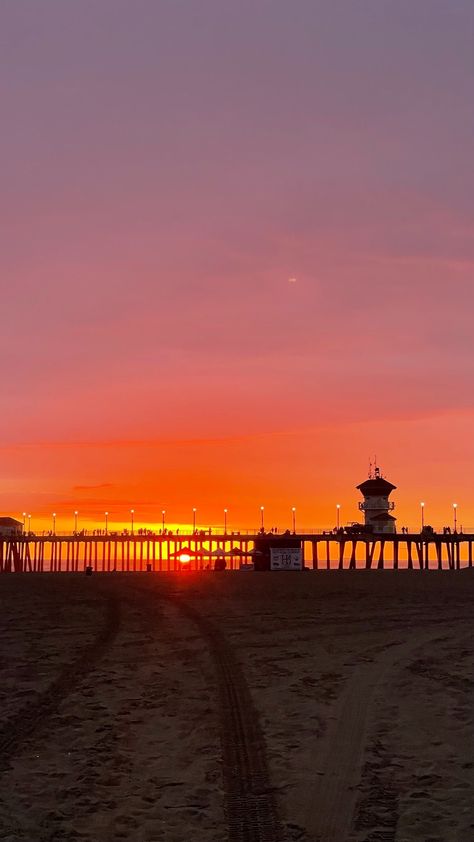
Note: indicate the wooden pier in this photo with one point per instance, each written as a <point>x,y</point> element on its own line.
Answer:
<point>200,551</point>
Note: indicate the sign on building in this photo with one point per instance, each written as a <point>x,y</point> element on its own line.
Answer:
<point>286,559</point>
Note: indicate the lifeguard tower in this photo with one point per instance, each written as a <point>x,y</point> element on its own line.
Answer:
<point>376,505</point>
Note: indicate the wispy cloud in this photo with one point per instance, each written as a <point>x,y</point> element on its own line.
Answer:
<point>91,487</point>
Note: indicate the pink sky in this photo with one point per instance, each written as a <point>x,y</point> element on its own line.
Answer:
<point>166,168</point>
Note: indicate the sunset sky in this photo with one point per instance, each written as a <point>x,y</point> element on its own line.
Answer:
<point>237,258</point>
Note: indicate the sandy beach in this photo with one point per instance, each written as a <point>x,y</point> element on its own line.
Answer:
<point>331,707</point>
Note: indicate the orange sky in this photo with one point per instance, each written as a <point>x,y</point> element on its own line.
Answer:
<point>312,469</point>
<point>165,175</point>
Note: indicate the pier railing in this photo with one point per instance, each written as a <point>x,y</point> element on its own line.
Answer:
<point>218,530</point>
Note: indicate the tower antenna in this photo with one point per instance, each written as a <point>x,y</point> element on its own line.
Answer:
<point>377,469</point>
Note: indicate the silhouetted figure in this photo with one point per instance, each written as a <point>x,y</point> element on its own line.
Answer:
<point>220,564</point>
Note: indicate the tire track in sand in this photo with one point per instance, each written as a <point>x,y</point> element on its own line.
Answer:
<point>249,802</point>
<point>30,719</point>
<point>331,797</point>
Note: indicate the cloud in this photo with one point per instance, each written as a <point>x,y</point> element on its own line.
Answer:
<point>91,487</point>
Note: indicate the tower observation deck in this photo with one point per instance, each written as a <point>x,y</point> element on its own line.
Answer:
<point>376,505</point>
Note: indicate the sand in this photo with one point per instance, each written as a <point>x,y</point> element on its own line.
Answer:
<point>331,707</point>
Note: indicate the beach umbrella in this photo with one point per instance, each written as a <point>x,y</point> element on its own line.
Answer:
<point>183,551</point>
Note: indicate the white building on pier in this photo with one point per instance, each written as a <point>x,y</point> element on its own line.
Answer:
<point>376,505</point>
<point>10,527</point>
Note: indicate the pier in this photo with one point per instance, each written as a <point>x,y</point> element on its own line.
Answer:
<point>200,551</point>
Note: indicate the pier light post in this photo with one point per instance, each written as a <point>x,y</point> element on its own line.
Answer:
<point>194,520</point>
<point>293,514</point>
<point>106,523</point>
<point>225,521</point>
<point>54,523</point>
<point>132,512</point>
<point>163,512</point>
<point>455,511</point>
<point>24,521</point>
<point>262,510</point>
<point>29,523</point>
<point>422,516</point>
<point>75,521</point>
<point>338,518</point>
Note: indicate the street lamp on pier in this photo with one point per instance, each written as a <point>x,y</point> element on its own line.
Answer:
<point>422,516</point>
<point>194,520</point>
<point>132,512</point>
<point>29,523</point>
<point>106,523</point>
<point>455,510</point>
<point>75,521</point>
<point>24,521</point>
<point>262,510</point>
<point>225,521</point>
<point>293,514</point>
<point>163,512</point>
<point>338,518</point>
<point>54,523</point>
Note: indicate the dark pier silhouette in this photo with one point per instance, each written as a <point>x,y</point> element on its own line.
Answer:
<point>202,551</point>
